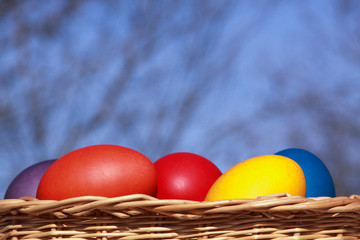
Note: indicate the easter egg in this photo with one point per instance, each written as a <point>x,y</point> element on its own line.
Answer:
<point>184,175</point>
<point>26,182</point>
<point>259,176</point>
<point>318,178</point>
<point>99,170</point>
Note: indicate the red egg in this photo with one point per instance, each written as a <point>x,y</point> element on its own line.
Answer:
<point>185,175</point>
<point>99,170</point>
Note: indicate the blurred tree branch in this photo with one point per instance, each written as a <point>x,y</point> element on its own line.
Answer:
<point>141,73</point>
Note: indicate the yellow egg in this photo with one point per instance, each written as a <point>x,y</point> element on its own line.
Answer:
<point>259,176</point>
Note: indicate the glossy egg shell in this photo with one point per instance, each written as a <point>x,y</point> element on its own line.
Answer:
<point>319,181</point>
<point>259,176</point>
<point>99,170</point>
<point>185,175</point>
<point>27,181</point>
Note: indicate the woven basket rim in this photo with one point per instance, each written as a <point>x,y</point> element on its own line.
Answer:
<point>281,202</point>
<point>138,216</point>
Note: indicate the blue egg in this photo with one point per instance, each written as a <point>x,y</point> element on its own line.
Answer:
<point>319,182</point>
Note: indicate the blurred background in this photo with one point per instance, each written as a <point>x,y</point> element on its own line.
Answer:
<point>228,80</point>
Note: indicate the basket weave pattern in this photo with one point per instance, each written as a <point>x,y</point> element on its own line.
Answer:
<point>138,216</point>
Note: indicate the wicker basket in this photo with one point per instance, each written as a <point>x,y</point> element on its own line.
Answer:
<point>277,216</point>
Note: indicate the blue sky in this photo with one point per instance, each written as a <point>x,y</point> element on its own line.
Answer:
<point>270,53</point>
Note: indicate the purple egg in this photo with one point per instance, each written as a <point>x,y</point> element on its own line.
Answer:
<point>26,182</point>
